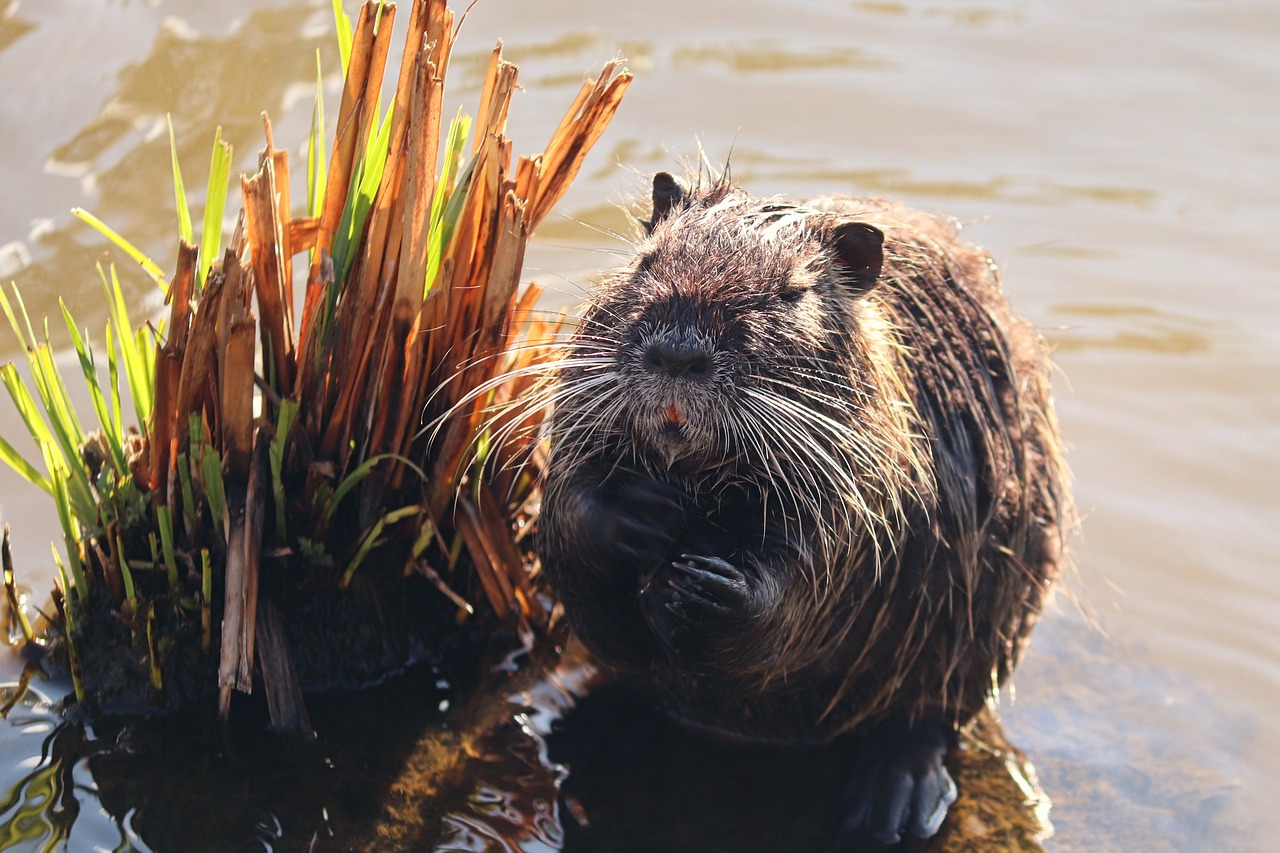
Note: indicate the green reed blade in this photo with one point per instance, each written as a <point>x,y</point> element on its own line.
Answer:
<point>164,519</point>
<point>211,463</point>
<point>58,388</point>
<point>437,239</point>
<point>195,432</point>
<point>316,169</point>
<point>353,479</point>
<point>148,266</point>
<point>146,339</point>
<point>73,654</point>
<point>370,539</point>
<point>342,23</point>
<point>206,594</point>
<point>70,538</point>
<point>134,364</point>
<point>115,440</point>
<point>126,573</point>
<point>188,493</point>
<point>365,180</point>
<point>69,435</point>
<point>17,462</point>
<point>63,422</point>
<point>214,207</point>
<point>113,383</point>
<point>179,191</point>
<point>275,453</point>
<point>58,427</point>
<point>25,404</point>
<point>27,338</point>
<point>75,481</point>
<point>59,449</point>
<point>348,483</point>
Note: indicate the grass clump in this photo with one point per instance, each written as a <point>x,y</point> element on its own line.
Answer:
<point>277,482</point>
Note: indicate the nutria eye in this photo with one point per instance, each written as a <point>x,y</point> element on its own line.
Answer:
<point>792,295</point>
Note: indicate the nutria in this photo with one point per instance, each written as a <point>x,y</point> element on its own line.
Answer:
<point>805,480</point>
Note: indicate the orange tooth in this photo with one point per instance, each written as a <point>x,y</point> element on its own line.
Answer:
<point>674,416</point>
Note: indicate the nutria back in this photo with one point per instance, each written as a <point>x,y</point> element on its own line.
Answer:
<point>805,474</point>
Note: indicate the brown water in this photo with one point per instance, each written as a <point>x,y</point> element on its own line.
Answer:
<point>1121,160</point>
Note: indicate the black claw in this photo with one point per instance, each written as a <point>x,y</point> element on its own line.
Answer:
<point>713,565</point>
<point>690,590</point>
<point>714,580</point>
<point>694,600</point>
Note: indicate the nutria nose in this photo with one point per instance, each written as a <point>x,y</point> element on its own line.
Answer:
<point>677,358</point>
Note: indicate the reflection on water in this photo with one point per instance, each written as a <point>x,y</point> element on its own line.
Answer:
<point>117,151</point>
<point>48,799</point>
<point>12,25</point>
<point>1135,327</point>
<point>41,807</point>
<point>961,14</point>
<point>388,774</point>
<point>766,57</point>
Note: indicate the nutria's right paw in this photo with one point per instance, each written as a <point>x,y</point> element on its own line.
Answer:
<point>638,523</point>
<point>694,599</point>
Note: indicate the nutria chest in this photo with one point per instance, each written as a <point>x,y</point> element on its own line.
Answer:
<point>805,476</point>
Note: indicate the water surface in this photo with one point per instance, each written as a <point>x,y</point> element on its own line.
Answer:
<point>1119,160</point>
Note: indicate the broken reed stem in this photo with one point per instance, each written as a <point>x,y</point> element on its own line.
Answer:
<point>346,137</point>
<point>236,380</point>
<point>200,366</point>
<point>342,162</point>
<point>169,360</point>
<point>270,262</point>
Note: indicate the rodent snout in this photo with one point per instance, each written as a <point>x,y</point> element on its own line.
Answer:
<point>677,358</point>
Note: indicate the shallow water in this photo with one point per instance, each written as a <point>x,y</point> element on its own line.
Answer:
<point>1119,160</point>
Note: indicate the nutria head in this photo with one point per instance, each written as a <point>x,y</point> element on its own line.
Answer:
<point>737,343</point>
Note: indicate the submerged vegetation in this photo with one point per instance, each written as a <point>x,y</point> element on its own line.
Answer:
<point>278,512</point>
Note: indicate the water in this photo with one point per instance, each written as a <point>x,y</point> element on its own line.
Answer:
<point>1120,160</point>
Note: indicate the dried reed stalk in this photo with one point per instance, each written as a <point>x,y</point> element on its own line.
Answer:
<point>169,361</point>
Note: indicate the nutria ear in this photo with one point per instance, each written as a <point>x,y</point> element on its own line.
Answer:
<point>668,195</point>
<point>859,248</point>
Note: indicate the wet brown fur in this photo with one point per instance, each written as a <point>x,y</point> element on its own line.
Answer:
<point>910,525</point>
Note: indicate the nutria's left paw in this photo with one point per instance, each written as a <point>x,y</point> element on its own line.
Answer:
<point>694,597</point>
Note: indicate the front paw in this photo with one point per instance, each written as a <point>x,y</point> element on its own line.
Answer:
<point>640,522</point>
<point>692,600</point>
